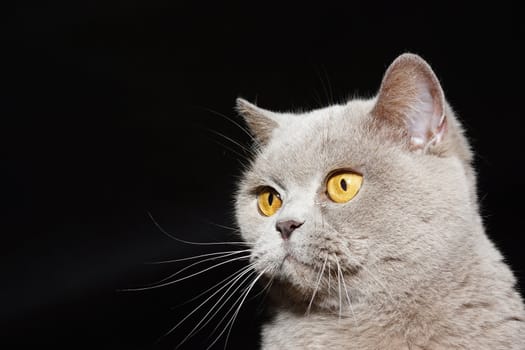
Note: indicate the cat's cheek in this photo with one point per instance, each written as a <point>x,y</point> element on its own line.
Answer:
<point>267,258</point>
<point>250,222</point>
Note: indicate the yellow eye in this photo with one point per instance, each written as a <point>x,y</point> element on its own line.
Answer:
<point>341,187</point>
<point>269,201</point>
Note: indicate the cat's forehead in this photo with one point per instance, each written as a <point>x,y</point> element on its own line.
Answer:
<point>314,143</point>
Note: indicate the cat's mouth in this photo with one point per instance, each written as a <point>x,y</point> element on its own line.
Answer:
<point>292,259</point>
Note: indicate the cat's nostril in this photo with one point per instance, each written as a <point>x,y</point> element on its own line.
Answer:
<point>287,227</point>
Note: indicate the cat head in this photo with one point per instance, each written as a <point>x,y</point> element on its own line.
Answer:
<point>367,196</point>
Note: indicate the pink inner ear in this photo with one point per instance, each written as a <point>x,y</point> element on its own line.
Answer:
<point>411,97</point>
<point>425,117</point>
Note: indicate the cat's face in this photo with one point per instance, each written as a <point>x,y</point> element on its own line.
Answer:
<point>411,190</point>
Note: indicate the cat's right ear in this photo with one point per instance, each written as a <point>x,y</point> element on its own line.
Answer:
<point>260,121</point>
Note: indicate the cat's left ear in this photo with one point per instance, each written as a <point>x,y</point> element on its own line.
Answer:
<point>412,102</point>
<point>260,121</point>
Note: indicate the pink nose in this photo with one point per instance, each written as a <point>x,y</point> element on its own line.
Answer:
<point>287,227</point>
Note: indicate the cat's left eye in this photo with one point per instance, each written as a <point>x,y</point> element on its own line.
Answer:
<point>269,201</point>
<point>343,186</point>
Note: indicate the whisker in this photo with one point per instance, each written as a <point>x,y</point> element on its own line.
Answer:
<point>230,284</point>
<point>380,284</point>
<point>346,290</point>
<point>190,242</point>
<point>225,253</point>
<point>242,147</point>
<point>186,277</point>
<point>234,229</point>
<point>317,286</point>
<point>339,290</point>
<point>223,304</point>
<point>325,90</point>
<point>224,281</point>
<point>240,305</point>
<point>267,288</point>
<point>264,288</point>
<point>229,310</point>
<point>376,280</point>
<point>199,306</point>
<point>232,320</point>
<point>195,264</point>
<point>332,100</point>
<point>242,156</point>
<point>231,121</point>
<point>329,278</point>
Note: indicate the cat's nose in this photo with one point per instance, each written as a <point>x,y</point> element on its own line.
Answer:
<point>287,227</point>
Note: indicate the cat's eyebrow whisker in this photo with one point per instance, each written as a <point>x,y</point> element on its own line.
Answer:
<point>189,276</point>
<point>225,253</point>
<point>242,156</point>
<point>317,286</point>
<point>161,229</point>
<point>332,99</point>
<point>233,122</point>
<point>243,148</point>
<point>325,90</point>
<point>231,283</point>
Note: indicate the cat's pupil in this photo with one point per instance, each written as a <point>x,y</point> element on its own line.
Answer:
<point>343,184</point>
<point>270,199</point>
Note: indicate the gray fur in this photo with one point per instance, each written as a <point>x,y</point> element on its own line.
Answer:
<point>418,270</point>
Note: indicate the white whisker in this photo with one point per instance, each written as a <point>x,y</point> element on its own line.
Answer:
<point>346,290</point>
<point>339,291</point>
<point>376,280</point>
<point>186,277</point>
<point>379,283</point>
<point>224,303</point>
<point>194,264</point>
<point>317,286</point>
<point>225,280</point>
<point>234,229</point>
<point>202,304</point>
<point>240,305</point>
<point>232,320</point>
<point>233,122</point>
<point>226,253</point>
<point>329,280</point>
<point>232,283</point>
<point>241,156</point>
<point>242,147</point>
<point>190,242</point>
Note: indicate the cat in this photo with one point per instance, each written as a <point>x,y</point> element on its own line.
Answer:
<point>365,218</point>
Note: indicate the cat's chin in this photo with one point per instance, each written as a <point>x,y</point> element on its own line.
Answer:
<point>296,278</point>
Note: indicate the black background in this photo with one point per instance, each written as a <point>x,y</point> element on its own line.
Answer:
<point>111,110</point>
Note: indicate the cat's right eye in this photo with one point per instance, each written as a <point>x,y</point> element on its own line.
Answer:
<point>269,201</point>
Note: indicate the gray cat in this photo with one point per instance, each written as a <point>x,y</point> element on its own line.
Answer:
<point>365,218</point>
